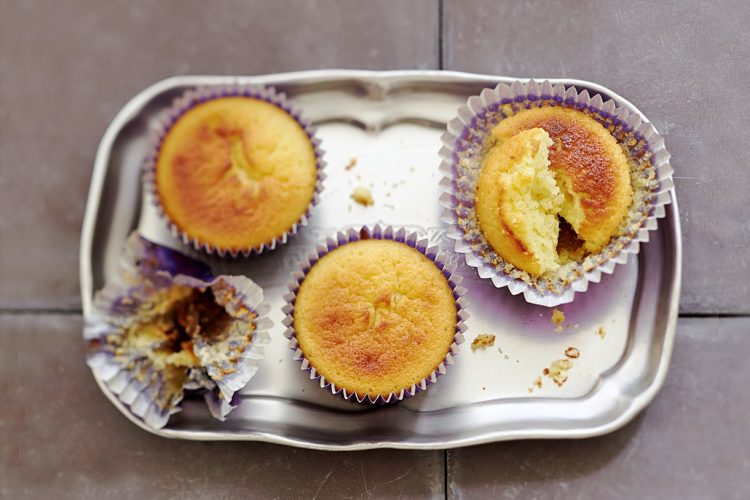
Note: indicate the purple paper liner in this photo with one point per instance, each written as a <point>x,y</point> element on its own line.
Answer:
<point>463,144</point>
<point>192,98</point>
<point>145,269</point>
<point>378,231</point>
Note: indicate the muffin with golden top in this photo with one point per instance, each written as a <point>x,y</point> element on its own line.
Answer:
<point>376,318</point>
<point>236,173</point>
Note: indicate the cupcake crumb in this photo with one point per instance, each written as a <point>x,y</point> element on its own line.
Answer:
<point>572,352</point>
<point>536,384</point>
<point>352,163</point>
<point>482,341</point>
<point>558,371</point>
<point>363,196</point>
<point>602,332</point>
<point>558,318</point>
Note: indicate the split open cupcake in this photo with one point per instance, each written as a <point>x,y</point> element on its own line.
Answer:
<point>546,187</point>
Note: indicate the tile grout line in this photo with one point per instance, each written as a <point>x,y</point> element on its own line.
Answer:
<point>713,315</point>
<point>445,474</point>
<point>50,311</point>
<point>440,35</point>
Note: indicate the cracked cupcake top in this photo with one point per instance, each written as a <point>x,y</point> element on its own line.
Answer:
<point>375,316</point>
<point>235,172</point>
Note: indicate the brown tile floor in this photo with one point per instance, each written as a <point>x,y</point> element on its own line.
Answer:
<point>67,70</point>
<point>67,67</point>
<point>62,438</point>
<point>691,442</point>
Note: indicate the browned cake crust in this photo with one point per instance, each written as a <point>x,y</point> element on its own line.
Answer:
<point>236,173</point>
<point>375,317</point>
<point>590,166</point>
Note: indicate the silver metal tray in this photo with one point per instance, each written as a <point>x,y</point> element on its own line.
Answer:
<point>391,123</point>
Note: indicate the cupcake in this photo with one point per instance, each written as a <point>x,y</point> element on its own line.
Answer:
<point>547,164</point>
<point>166,327</point>
<point>546,188</point>
<point>375,315</point>
<point>234,170</point>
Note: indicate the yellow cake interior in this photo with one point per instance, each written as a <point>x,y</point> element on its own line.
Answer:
<point>519,202</point>
<point>375,317</point>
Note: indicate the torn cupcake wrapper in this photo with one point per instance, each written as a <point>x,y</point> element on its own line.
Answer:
<point>165,326</point>
<point>378,231</point>
<point>194,97</point>
<point>464,145</point>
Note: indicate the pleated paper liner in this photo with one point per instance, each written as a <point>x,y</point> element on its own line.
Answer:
<point>377,231</point>
<point>142,365</point>
<point>461,154</point>
<point>194,97</point>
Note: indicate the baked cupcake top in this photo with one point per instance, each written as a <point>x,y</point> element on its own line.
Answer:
<point>375,317</point>
<point>235,172</point>
<point>590,168</point>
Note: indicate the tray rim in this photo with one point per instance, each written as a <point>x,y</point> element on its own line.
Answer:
<point>635,405</point>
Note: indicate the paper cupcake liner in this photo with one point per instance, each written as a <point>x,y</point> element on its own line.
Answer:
<point>227,361</point>
<point>463,142</point>
<point>379,232</point>
<point>197,96</point>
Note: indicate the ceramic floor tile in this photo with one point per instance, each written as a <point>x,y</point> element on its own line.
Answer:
<point>692,442</point>
<point>685,64</point>
<point>61,438</point>
<point>67,68</point>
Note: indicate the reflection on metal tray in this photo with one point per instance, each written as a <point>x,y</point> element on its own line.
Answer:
<point>391,123</point>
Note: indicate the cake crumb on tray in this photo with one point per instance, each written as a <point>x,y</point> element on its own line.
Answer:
<point>363,196</point>
<point>482,341</point>
<point>572,352</point>
<point>558,371</point>
<point>558,318</point>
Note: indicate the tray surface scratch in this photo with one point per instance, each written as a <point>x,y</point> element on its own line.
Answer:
<point>391,123</point>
